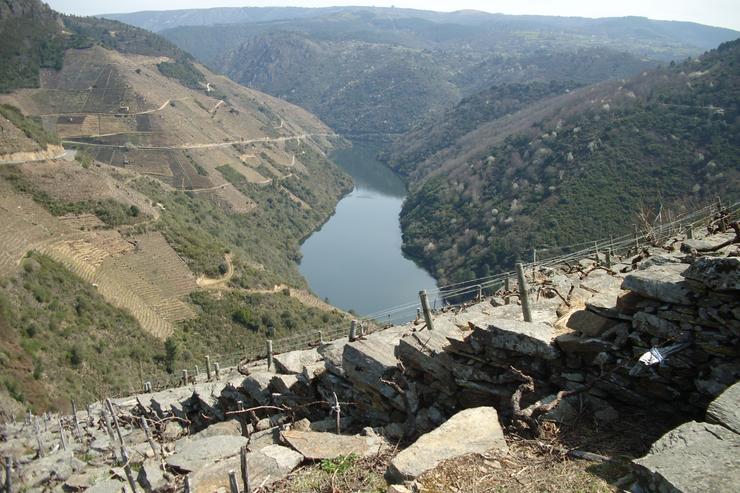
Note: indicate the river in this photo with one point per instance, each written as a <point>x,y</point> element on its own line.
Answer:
<point>355,259</point>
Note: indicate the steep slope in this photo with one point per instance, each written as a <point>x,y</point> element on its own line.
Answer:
<point>179,175</point>
<point>569,165</point>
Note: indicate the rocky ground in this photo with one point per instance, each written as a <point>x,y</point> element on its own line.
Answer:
<point>631,359</point>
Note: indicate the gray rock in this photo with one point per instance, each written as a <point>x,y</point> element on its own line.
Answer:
<point>658,260</point>
<point>725,409</point>
<point>473,430</point>
<point>653,325</point>
<point>332,353</point>
<point>107,486</point>
<point>371,359</point>
<point>57,467</point>
<point>316,446</point>
<point>151,477</point>
<point>269,464</point>
<point>573,343</point>
<point>526,338</point>
<point>589,323</point>
<point>664,283</point>
<point>330,424</point>
<point>191,455</point>
<point>425,351</point>
<point>231,427</point>
<point>168,402</point>
<point>257,386</point>
<point>722,274</point>
<point>693,458</point>
<point>283,384</point>
<point>294,362</point>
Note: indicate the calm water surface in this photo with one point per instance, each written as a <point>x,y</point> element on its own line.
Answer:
<point>355,259</point>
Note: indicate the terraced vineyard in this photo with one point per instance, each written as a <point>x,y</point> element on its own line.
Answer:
<point>25,225</point>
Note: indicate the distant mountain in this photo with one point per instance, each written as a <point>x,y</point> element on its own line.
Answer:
<point>381,70</point>
<point>546,165</point>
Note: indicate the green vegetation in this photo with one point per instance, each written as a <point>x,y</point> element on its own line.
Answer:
<point>61,340</point>
<point>184,72</point>
<point>30,126</point>
<point>339,465</point>
<point>109,211</point>
<point>669,138</point>
<point>230,323</point>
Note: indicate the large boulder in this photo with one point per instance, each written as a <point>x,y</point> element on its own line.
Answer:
<point>725,409</point>
<point>475,430</point>
<point>693,458</point>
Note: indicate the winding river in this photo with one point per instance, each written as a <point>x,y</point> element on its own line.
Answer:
<point>355,259</point>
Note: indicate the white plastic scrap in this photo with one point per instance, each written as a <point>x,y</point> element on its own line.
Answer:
<point>656,356</point>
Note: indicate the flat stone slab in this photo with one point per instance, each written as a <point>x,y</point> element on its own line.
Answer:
<point>294,362</point>
<point>527,338</point>
<point>663,283</point>
<point>315,445</point>
<point>693,458</point>
<point>725,409</point>
<point>475,430</point>
<point>192,455</point>
<point>267,465</point>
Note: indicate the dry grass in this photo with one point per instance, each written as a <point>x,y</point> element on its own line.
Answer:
<point>529,465</point>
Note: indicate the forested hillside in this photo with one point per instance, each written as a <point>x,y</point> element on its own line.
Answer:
<point>374,71</point>
<point>571,166</point>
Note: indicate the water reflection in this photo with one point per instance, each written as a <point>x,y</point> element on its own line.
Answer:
<point>355,259</point>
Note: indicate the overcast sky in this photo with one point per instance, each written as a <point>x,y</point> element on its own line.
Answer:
<point>725,13</point>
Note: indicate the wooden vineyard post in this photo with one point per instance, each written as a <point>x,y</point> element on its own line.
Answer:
<point>245,470</point>
<point>148,434</point>
<point>217,370</point>
<point>61,434</point>
<point>507,289</point>
<point>269,354</point>
<point>8,471</point>
<point>232,482</point>
<point>523,294</point>
<point>425,309</point>
<point>185,377</point>
<point>208,367</point>
<point>353,331</point>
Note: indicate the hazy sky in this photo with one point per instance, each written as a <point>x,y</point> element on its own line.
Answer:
<point>725,13</point>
